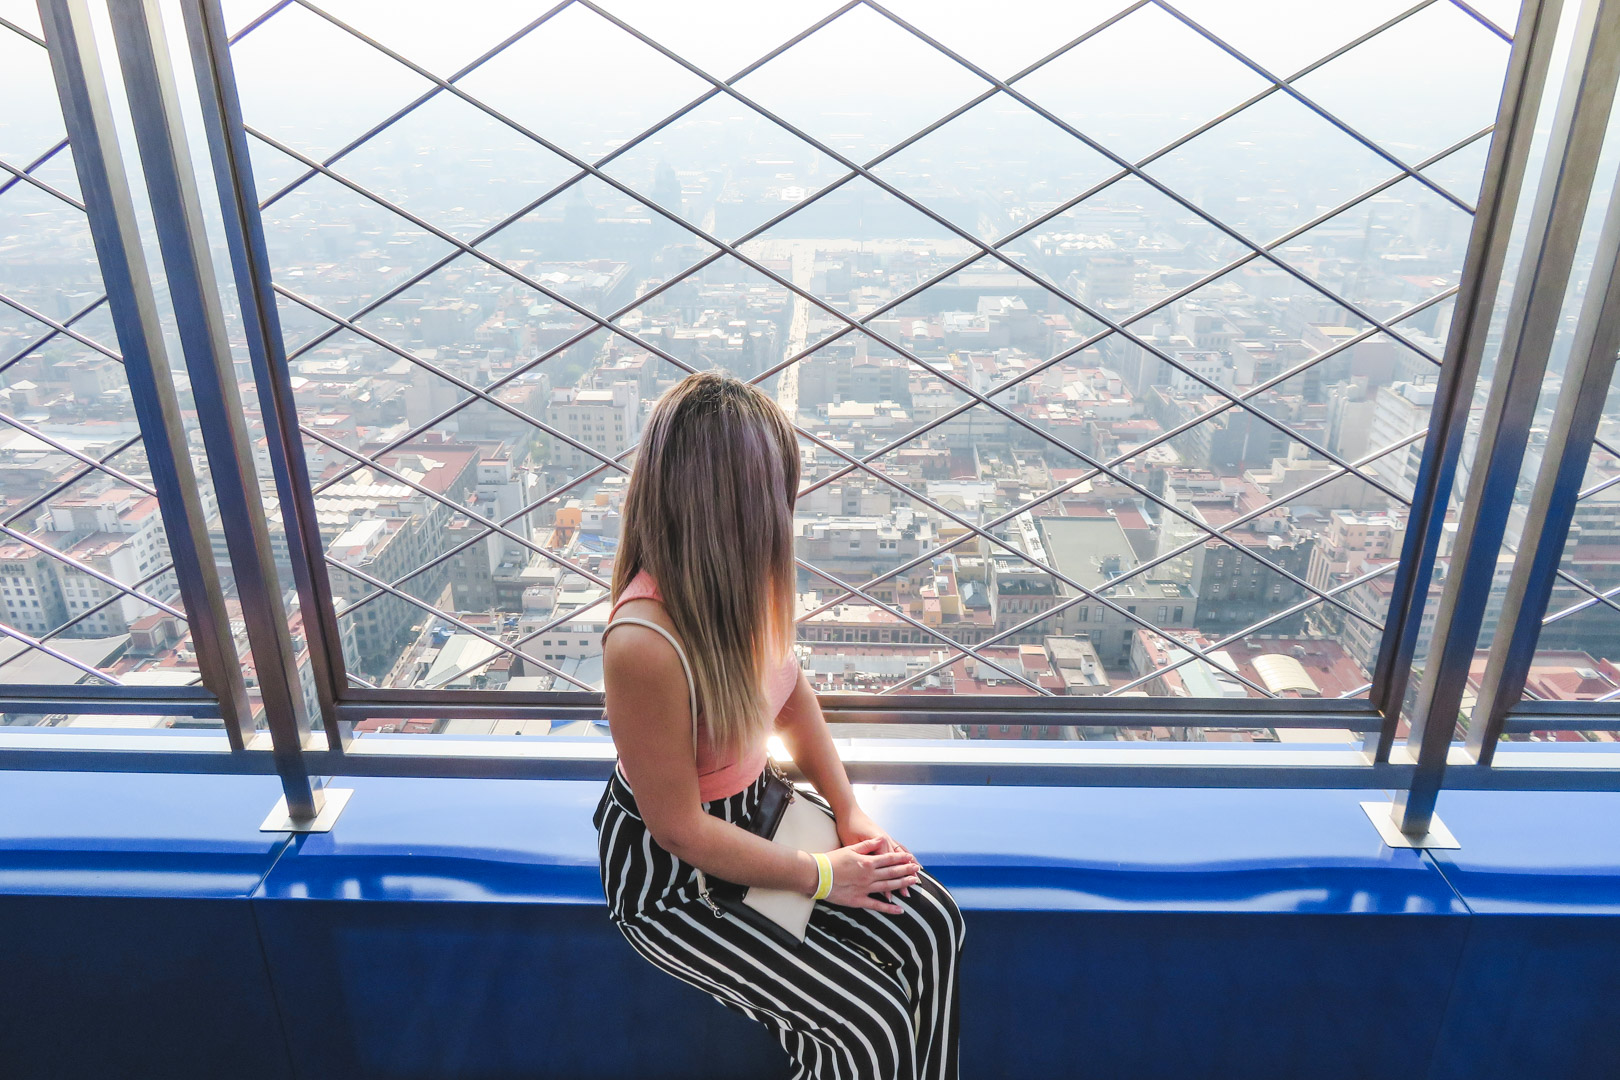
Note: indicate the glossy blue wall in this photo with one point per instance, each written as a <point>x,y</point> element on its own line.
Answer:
<point>455,928</point>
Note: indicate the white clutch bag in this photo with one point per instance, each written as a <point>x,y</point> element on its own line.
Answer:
<point>783,817</point>
<point>786,818</point>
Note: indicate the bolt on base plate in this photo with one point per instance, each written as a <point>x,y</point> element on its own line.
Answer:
<point>332,805</point>
<point>1438,835</point>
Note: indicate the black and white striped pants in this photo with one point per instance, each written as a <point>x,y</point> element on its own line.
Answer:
<point>868,996</point>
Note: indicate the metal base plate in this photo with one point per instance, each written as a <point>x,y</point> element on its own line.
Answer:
<point>335,799</point>
<point>1438,835</point>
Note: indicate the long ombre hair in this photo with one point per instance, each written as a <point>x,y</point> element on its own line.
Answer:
<point>709,514</point>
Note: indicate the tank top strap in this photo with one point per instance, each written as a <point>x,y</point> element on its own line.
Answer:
<point>686,667</point>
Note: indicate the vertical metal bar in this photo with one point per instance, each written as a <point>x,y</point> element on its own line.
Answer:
<point>1554,228</point>
<point>1581,400</point>
<point>1528,62</point>
<point>250,264</point>
<point>82,89</point>
<point>193,290</point>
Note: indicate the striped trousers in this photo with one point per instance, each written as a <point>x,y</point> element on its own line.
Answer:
<point>868,996</point>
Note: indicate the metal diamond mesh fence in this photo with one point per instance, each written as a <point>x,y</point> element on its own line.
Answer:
<point>1111,340</point>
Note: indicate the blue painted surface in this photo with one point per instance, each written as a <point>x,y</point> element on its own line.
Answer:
<point>455,928</point>
<point>1542,877</point>
<point>128,945</point>
<point>491,990</point>
<point>101,834</point>
<point>431,840</point>
<point>1529,853</point>
<point>1534,996</point>
<point>1154,996</point>
<point>1000,848</point>
<point>1132,849</point>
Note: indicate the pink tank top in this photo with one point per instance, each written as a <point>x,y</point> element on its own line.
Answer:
<point>722,775</point>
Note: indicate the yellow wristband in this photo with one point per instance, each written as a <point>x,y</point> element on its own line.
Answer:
<point>823,875</point>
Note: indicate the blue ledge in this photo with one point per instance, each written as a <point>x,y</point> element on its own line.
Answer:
<point>437,840</point>
<point>456,927</point>
<point>127,927</point>
<point>1135,849</point>
<point>999,848</point>
<point>105,834</point>
<point>1540,973</point>
<point>1531,853</point>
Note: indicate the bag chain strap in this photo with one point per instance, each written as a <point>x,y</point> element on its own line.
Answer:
<point>703,892</point>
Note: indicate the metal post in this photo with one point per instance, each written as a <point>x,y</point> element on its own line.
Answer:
<point>1581,400</point>
<point>183,240</point>
<point>82,89</point>
<point>250,264</point>
<point>1528,63</point>
<point>1538,297</point>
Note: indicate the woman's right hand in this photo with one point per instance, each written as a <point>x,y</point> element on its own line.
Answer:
<point>864,868</point>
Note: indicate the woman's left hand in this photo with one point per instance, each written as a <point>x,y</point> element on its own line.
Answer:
<point>856,825</point>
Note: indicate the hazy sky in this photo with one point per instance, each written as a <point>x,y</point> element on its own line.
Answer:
<point>297,71</point>
<point>723,35</point>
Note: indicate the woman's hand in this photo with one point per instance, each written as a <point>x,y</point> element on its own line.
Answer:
<point>856,825</point>
<point>863,868</point>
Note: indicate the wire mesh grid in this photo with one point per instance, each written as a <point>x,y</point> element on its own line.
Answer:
<point>1351,599</point>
